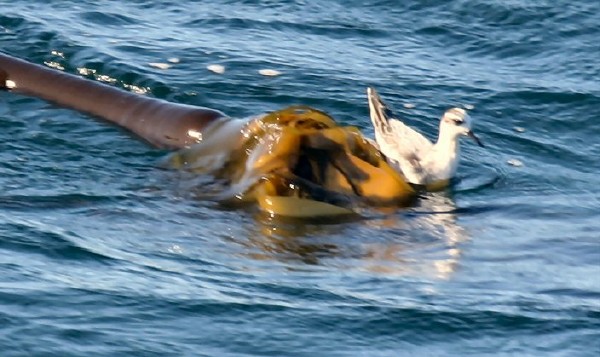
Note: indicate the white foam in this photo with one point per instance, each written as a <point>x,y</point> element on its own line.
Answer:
<point>136,89</point>
<point>515,162</point>
<point>214,146</point>
<point>159,65</point>
<point>105,78</point>
<point>54,65</point>
<point>216,68</point>
<point>269,72</point>
<point>86,71</point>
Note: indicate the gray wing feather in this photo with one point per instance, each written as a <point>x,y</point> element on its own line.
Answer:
<point>411,141</point>
<point>396,140</point>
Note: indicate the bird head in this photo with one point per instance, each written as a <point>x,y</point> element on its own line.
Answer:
<point>457,122</point>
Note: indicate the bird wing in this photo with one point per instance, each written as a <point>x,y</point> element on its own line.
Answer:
<point>396,140</point>
<point>411,140</point>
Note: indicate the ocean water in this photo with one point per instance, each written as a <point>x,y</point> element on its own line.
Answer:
<point>103,253</point>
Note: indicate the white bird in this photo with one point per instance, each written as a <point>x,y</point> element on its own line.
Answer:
<point>418,159</point>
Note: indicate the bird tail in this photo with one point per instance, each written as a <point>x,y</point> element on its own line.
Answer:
<point>378,111</point>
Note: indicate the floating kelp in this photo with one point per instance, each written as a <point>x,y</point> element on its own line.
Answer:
<point>292,162</point>
<point>296,162</point>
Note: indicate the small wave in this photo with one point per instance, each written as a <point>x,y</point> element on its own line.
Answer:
<point>334,29</point>
<point>538,96</point>
<point>30,236</point>
<point>107,18</point>
<point>66,201</point>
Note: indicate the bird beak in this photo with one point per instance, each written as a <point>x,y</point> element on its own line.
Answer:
<point>472,136</point>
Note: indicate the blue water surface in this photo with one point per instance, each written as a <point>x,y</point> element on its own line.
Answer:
<point>103,253</point>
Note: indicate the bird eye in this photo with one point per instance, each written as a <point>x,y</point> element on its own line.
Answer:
<point>458,121</point>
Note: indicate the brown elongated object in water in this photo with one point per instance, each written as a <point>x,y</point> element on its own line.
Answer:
<point>161,123</point>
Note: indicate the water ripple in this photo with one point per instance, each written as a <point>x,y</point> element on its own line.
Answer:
<point>105,254</point>
<point>33,237</point>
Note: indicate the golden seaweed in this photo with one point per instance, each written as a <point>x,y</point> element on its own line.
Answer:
<point>297,162</point>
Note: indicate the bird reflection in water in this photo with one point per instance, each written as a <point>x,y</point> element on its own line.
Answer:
<point>422,241</point>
